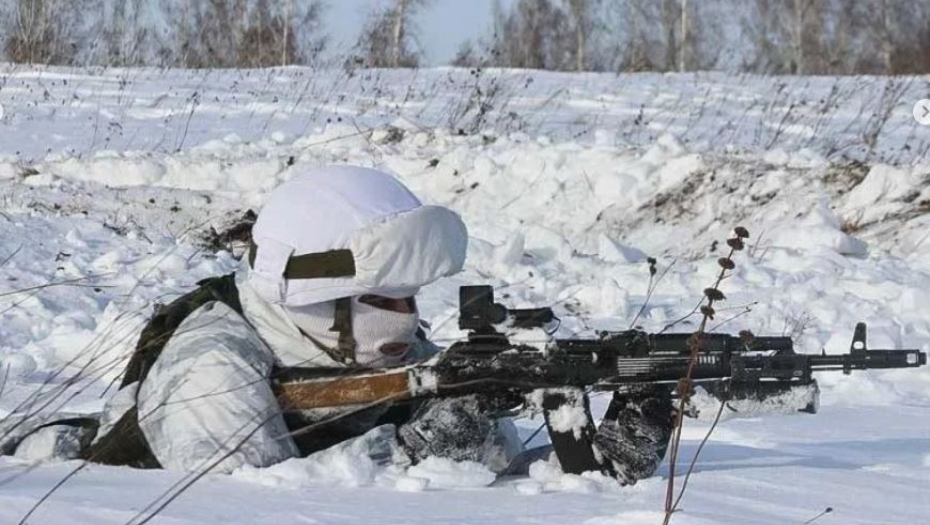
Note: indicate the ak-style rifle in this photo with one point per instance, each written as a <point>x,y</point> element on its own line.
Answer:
<point>546,376</point>
<point>489,361</point>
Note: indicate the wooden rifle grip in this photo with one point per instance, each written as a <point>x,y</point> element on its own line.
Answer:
<point>343,391</point>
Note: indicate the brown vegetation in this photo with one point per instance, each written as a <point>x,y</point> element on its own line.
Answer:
<point>835,37</point>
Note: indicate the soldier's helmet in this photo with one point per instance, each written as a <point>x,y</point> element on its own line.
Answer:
<point>340,231</point>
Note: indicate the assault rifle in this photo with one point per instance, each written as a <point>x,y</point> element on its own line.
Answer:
<point>488,362</point>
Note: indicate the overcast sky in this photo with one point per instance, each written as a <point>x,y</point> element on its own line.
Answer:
<point>442,25</point>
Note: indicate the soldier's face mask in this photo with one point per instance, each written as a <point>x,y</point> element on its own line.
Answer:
<point>383,328</point>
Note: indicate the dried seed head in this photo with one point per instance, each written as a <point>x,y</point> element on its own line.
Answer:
<point>726,263</point>
<point>708,311</point>
<point>714,294</point>
<point>741,232</point>
<point>736,243</point>
<point>651,260</point>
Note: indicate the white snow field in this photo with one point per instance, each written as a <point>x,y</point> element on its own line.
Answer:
<point>111,180</point>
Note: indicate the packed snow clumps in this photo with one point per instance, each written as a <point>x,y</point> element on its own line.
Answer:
<point>566,224</point>
<point>374,458</point>
<point>787,403</point>
<point>547,476</point>
<point>364,460</point>
<point>570,416</point>
<point>442,473</point>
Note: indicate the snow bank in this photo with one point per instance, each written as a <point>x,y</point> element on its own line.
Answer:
<point>17,366</point>
<point>792,121</point>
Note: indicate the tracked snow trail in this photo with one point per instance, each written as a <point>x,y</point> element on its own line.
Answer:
<point>562,210</point>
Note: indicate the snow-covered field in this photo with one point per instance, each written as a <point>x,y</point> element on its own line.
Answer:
<point>111,180</point>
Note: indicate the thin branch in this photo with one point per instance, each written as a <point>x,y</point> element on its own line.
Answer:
<point>69,282</point>
<point>697,453</point>
<point>651,288</point>
<point>16,251</point>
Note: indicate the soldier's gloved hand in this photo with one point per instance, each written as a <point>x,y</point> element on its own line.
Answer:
<point>628,444</point>
<point>634,434</point>
<point>461,428</point>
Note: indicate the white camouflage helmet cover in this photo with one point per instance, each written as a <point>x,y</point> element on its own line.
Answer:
<point>397,243</point>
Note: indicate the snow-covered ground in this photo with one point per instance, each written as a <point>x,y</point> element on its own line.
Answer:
<point>111,181</point>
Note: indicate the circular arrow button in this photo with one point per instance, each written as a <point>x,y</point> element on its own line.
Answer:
<point>922,112</point>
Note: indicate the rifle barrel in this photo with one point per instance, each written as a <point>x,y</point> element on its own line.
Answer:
<point>869,360</point>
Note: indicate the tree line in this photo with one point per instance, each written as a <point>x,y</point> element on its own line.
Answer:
<point>834,37</point>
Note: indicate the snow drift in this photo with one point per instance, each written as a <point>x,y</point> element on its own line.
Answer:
<point>563,202</point>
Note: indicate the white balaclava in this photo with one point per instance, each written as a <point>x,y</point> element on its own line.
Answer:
<point>373,328</point>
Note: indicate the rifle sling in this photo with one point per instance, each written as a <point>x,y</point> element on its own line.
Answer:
<point>342,323</point>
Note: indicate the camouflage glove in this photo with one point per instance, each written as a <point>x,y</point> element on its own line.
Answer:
<point>635,432</point>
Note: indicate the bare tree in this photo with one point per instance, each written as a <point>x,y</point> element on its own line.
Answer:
<point>670,21</point>
<point>787,35</point>
<point>466,56</point>
<point>763,30</point>
<point>764,36</point>
<point>580,12</point>
<point>374,43</point>
<point>209,32</point>
<point>43,31</point>
<point>907,33</point>
<point>247,33</point>
<point>634,42</point>
<point>267,39</point>
<point>286,44</point>
<point>894,37</point>
<point>538,34</point>
<point>398,31</point>
<point>660,25</point>
<point>853,42</point>
<point>127,36</point>
<point>683,31</point>
<point>264,41</point>
<point>800,21</point>
<point>385,40</point>
<point>885,34</point>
